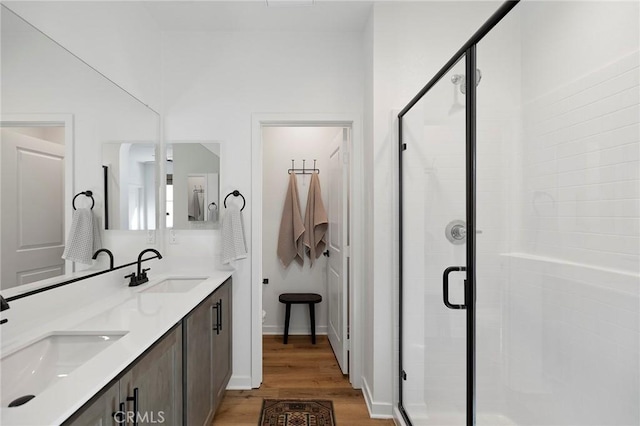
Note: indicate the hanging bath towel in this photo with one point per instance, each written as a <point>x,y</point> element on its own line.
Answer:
<point>84,237</point>
<point>290,244</point>
<point>197,207</point>
<point>234,246</point>
<point>315,221</point>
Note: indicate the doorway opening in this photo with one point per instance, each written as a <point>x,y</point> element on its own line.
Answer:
<point>300,152</point>
<point>283,148</point>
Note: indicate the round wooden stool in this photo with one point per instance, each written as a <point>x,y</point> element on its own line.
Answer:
<point>296,298</point>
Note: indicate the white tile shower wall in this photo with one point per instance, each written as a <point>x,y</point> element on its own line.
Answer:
<point>571,343</point>
<point>582,173</point>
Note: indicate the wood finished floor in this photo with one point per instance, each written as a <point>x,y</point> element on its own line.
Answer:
<point>297,370</point>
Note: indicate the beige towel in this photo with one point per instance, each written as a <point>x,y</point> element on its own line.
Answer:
<point>315,221</point>
<point>290,245</point>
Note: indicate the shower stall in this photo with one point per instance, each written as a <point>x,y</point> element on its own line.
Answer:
<point>520,224</point>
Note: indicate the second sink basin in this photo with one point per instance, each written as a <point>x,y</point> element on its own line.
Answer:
<point>175,285</point>
<point>30,370</point>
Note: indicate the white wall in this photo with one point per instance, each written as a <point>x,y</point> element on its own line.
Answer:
<point>592,34</point>
<point>367,310</point>
<point>120,39</point>
<point>214,81</point>
<point>281,145</point>
<point>51,134</point>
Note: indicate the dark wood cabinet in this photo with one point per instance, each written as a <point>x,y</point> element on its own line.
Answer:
<point>152,387</point>
<point>208,355</point>
<point>100,410</point>
<point>222,344</point>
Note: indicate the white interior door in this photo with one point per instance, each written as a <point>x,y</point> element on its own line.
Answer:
<point>338,247</point>
<point>32,209</point>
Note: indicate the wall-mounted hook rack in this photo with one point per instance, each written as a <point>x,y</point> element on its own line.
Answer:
<point>303,170</point>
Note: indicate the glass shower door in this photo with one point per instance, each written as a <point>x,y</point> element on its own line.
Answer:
<point>433,349</point>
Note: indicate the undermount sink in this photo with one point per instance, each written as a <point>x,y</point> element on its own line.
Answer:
<point>32,369</point>
<point>175,285</point>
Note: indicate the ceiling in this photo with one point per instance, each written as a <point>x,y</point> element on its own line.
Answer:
<point>322,16</point>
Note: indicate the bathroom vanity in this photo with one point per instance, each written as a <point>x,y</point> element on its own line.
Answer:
<point>164,355</point>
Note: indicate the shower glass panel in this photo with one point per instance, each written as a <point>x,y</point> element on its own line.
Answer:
<point>434,353</point>
<point>498,174</point>
<point>558,142</point>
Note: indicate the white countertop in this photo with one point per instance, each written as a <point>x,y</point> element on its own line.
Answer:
<point>145,317</point>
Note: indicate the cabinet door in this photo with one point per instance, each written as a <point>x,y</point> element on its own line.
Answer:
<point>155,382</point>
<point>199,358</point>
<point>100,411</point>
<point>222,359</point>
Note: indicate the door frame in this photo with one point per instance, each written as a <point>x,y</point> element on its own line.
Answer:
<point>356,229</point>
<point>51,120</point>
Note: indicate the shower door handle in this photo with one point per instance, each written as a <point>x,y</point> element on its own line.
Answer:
<point>445,286</point>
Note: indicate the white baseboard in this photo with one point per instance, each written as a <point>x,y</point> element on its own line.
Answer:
<point>397,417</point>
<point>239,383</point>
<point>377,410</point>
<point>279,330</point>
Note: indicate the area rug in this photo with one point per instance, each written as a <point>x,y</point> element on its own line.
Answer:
<point>288,412</point>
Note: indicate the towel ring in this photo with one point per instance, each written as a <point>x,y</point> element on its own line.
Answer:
<point>214,205</point>
<point>235,194</point>
<point>86,193</point>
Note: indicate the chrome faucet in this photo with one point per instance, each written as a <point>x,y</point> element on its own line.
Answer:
<point>141,276</point>
<point>4,305</point>
<point>104,250</point>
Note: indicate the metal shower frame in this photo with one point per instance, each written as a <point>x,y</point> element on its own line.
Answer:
<point>467,52</point>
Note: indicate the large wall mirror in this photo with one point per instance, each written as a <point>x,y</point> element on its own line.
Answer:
<point>57,115</point>
<point>193,185</point>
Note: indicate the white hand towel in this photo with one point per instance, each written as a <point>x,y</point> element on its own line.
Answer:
<point>234,246</point>
<point>84,237</point>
